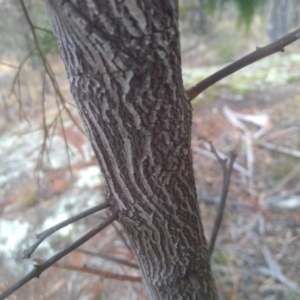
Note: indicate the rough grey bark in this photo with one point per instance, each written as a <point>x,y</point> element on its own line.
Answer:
<point>123,63</point>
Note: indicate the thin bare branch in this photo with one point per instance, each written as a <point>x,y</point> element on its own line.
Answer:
<point>19,70</point>
<point>51,129</point>
<point>259,53</point>
<point>232,204</point>
<point>273,269</point>
<point>281,149</point>
<point>111,258</point>
<point>101,273</point>
<point>43,29</point>
<point>16,82</point>
<point>282,184</point>
<point>8,65</point>
<point>43,149</point>
<point>208,154</point>
<point>28,252</point>
<point>47,66</point>
<point>39,269</point>
<point>55,85</point>
<point>46,132</point>
<point>225,187</point>
<point>282,132</point>
<point>226,182</point>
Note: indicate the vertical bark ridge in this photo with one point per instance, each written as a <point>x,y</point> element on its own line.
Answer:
<point>123,63</point>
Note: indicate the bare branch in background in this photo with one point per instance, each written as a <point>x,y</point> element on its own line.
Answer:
<point>45,127</point>
<point>39,269</point>
<point>103,274</point>
<point>273,269</point>
<point>259,53</point>
<point>19,70</point>
<point>111,258</point>
<point>28,252</point>
<point>9,65</point>
<point>226,181</point>
<point>225,187</point>
<point>16,82</point>
<point>43,29</point>
<point>47,66</point>
<point>208,154</point>
<point>280,149</point>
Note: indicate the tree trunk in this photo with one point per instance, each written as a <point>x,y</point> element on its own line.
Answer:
<point>123,63</point>
<point>279,21</point>
<point>202,16</point>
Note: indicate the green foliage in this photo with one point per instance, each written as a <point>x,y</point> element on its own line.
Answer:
<point>47,42</point>
<point>246,9</point>
<point>46,39</point>
<point>48,45</point>
<point>222,257</point>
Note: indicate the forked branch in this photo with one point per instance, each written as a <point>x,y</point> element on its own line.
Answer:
<point>225,187</point>
<point>39,269</point>
<point>28,252</point>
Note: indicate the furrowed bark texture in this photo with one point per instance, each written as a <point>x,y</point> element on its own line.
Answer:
<point>123,64</point>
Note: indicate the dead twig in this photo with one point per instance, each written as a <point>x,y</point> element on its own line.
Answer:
<point>50,74</point>
<point>259,53</point>
<point>281,185</point>
<point>43,29</point>
<point>281,149</point>
<point>89,270</point>
<point>28,252</point>
<point>282,132</point>
<point>274,271</point>
<point>39,269</point>
<point>208,154</point>
<point>111,258</point>
<point>232,204</point>
<point>19,70</point>
<point>225,187</point>
<point>45,128</point>
<point>9,65</point>
<point>16,81</point>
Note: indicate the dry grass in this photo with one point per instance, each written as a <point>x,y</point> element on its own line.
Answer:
<point>254,220</point>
